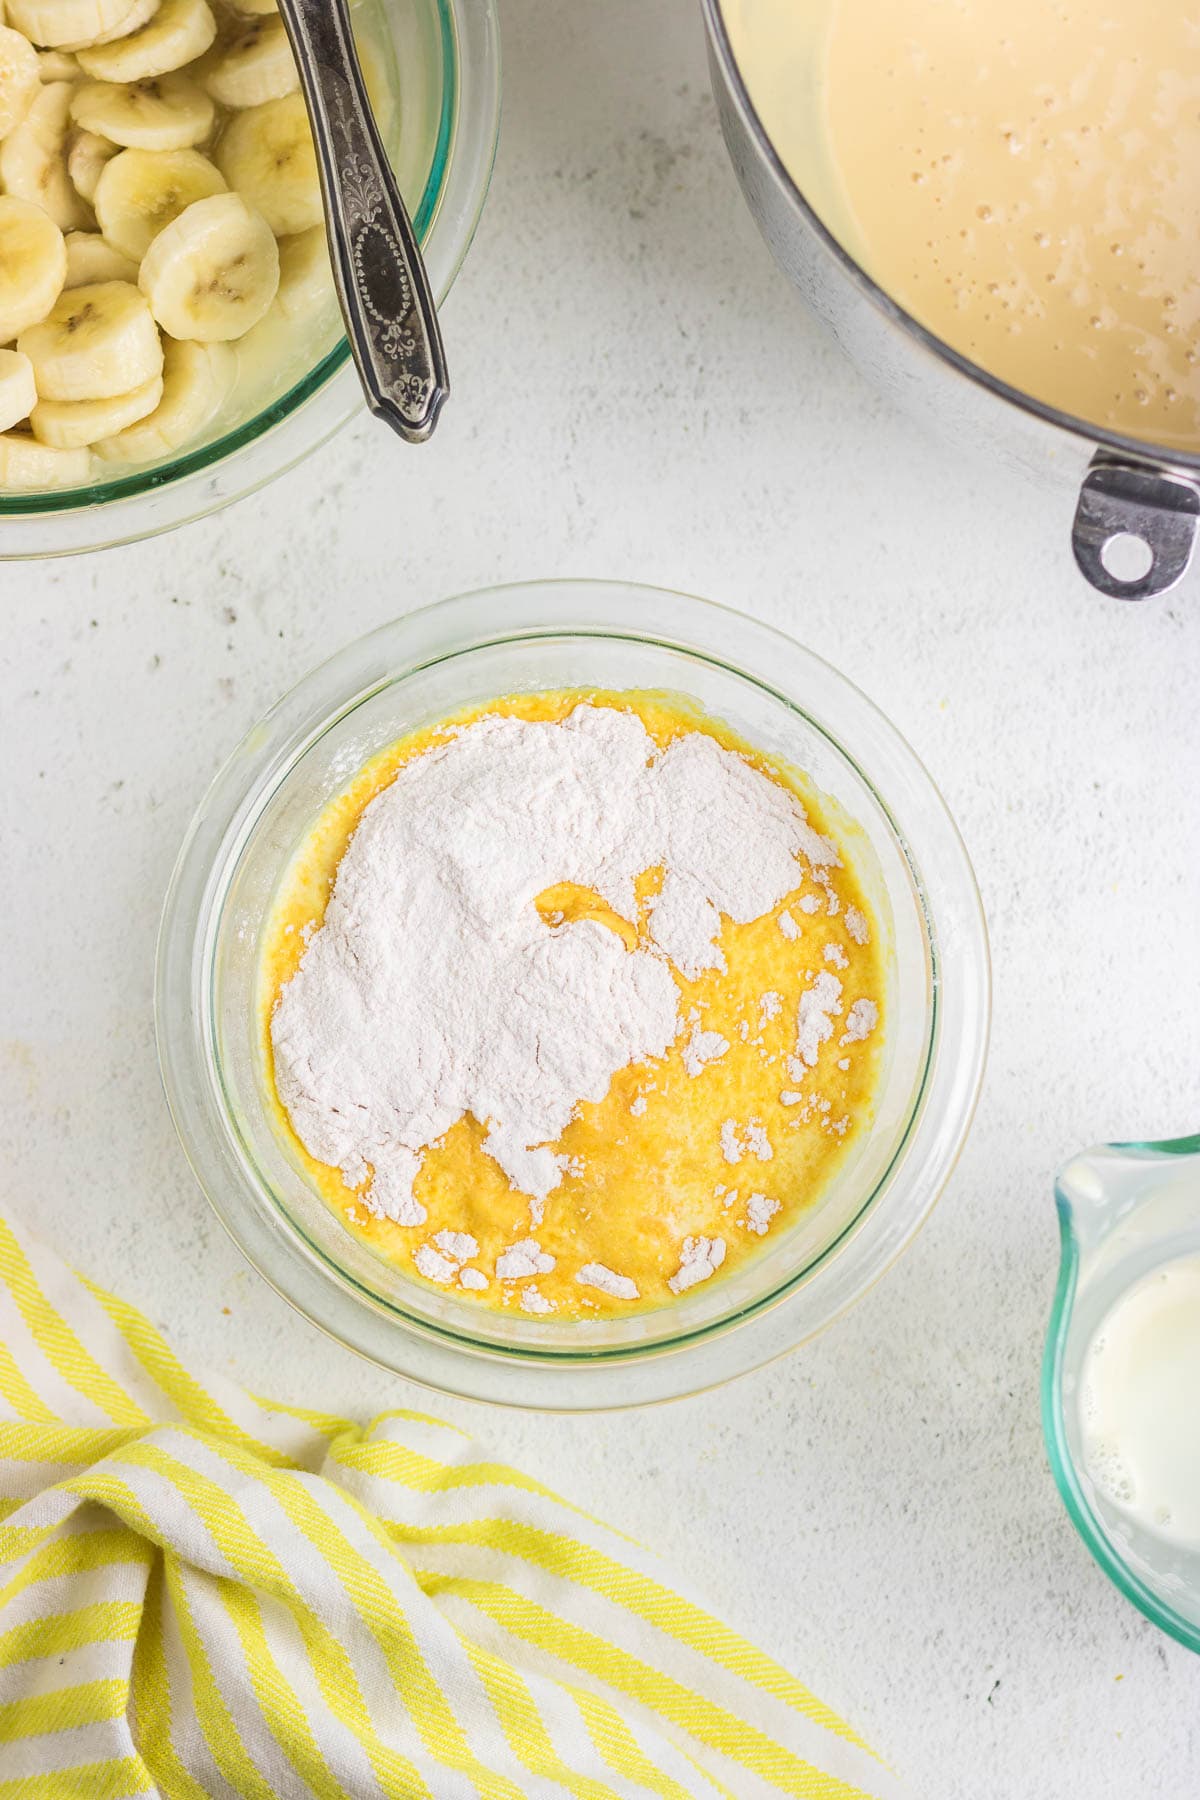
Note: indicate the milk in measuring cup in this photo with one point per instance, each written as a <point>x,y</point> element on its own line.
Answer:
<point>1140,1403</point>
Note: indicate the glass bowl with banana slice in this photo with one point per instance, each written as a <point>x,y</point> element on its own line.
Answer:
<point>170,337</point>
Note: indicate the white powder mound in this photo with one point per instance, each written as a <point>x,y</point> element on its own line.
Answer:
<point>757,1141</point>
<point>861,1021</point>
<point>760,1210</point>
<point>444,1263</point>
<point>738,1140</point>
<point>810,904</point>
<point>856,925</point>
<point>596,1275</point>
<point>837,956</point>
<point>434,988</point>
<point>525,1258</point>
<point>815,1015</point>
<point>456,1244</point>
<point>788,925</point>
<point>434,1266</point>
<point>701,1257</point>
<point>703,1047</point>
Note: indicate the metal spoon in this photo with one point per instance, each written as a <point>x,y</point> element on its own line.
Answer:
<point>391,320</point>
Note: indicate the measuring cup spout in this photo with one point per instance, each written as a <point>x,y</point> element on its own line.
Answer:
<point>1104,1191</point>
<point>1091,1193</point>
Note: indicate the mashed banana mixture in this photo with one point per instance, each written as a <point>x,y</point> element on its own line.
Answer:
<point>572,1002</point>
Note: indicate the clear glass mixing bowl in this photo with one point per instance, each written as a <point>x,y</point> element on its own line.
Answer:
<point>554,635</point>
<point>439,60</point>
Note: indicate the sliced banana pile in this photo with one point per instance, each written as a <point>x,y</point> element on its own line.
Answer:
<point>159,201</point>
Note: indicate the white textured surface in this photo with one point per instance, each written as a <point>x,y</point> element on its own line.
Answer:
<point>638,394</point>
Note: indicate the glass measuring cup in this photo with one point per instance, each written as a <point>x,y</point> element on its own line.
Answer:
<point>1125,1210</point>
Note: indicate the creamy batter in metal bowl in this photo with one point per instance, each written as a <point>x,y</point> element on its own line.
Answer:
<point>1006,195</point>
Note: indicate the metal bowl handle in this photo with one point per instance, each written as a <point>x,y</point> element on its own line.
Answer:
<point>1121,501</point>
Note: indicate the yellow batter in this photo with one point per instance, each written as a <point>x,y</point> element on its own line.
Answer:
<point>1023,177</point>
<point>651,1161</point>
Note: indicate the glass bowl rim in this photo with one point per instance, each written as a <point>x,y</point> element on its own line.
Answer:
<point>617,1353</point>
<point>291,729</point>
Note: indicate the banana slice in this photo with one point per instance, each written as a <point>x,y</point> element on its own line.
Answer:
<point>19,78</point>
<point>196,380</point>
<point>28,467</point>
<point>33,163</point>
<point>211,273</point>
<point>57,65</point>
<point>255,64</point>
<point>177,33</point>
<point>305,277</point>
<point>52,23</point>
<point>73,424</point>
<point>266,154</point>
<point>91,258</point>
<point>168,113</point>
<point>142,190</point>
<point>18,390</point>
<point>96,341</point>
<point>254,9</point>
<point>131,20</point>
<point>33,265</point>
<point>86,158</point>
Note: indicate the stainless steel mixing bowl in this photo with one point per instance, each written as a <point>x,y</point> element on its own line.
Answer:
<point>1125,488</point>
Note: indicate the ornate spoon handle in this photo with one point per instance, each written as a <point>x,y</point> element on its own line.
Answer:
<point>391,320</point>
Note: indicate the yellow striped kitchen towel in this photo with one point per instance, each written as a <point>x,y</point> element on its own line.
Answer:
<point>204,1594</point>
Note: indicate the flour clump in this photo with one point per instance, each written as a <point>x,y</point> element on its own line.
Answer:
<point>435,989</point>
